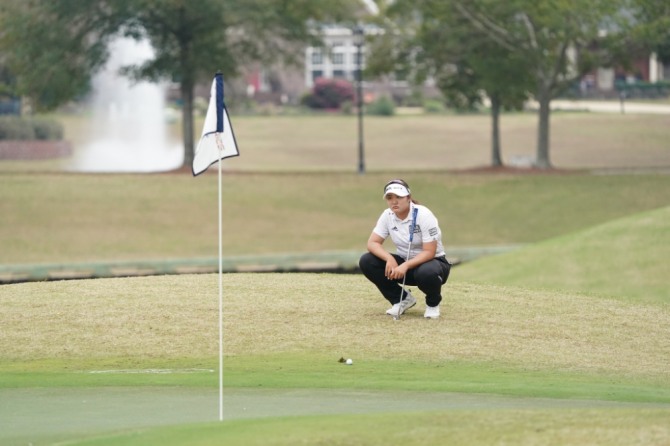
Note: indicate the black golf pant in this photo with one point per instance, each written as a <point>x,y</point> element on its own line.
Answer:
<point>429,277</point>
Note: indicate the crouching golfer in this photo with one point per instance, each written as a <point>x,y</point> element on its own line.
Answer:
<point>423,264</point>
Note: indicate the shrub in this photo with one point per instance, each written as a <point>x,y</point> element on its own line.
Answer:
<point>414,99</point>
<point>14,127</point>
<point>382,106</point>
<point>18,128</point>
<point>47,129</point>
<point>329,94</point>
<point>434,106</point>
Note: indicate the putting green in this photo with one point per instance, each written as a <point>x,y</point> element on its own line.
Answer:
<point>49,415</point>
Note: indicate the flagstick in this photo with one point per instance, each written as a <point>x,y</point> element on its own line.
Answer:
<point>216,121</point>
<point>220,297</point>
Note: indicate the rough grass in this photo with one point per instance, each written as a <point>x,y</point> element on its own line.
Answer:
<point>625,258</point>
<point>176,317</point>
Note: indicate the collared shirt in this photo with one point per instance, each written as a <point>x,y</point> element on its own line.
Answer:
<point>426,230</point>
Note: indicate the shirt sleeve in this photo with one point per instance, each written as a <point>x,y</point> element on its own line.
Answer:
<point>382,227</point>
<point>430,230</point>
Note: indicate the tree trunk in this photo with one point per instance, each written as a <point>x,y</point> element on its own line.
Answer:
<point>496,159</point>
<point>187,123</point>
<point>542,157</point>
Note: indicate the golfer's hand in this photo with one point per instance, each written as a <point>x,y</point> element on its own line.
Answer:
<point>391,266</point>
<point>398,272</point>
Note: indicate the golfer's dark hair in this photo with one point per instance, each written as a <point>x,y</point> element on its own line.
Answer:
<point>402,183</point>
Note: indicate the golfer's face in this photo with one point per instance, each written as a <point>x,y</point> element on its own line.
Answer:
<point>399,205</point>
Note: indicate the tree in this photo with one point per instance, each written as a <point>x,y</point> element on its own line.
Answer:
<point>553,38</point>
<point>52,47</point>
<point>192,40</point>
<point>651,26</point>
<point>430,39</point>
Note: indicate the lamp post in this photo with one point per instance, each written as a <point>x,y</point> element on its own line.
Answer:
<point>359,40</point>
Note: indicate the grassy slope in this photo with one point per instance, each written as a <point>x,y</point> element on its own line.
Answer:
<point>70,218</point>
<point>625,258</point>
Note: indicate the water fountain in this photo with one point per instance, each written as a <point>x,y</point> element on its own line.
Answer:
<point>128,130</point>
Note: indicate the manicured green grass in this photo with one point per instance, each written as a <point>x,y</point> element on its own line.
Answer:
<point>475,427</point>
<point>624,258</point>
<point>314,371</point>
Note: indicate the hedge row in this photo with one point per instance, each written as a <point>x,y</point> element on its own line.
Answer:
<point>19,128</point>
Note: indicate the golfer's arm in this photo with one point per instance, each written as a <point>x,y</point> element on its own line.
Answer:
<point>427,253</point>
<point>375,247</point>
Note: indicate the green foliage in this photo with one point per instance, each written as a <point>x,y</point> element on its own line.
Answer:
<point>47,128</point>
<point>434,106</point>
<point>651,27</point>
<point>16,128</point>
<point>414,99</point>
<point>7,81</point>
<point>382,106</point>
<point>19,128</point>
<point>53,46</point>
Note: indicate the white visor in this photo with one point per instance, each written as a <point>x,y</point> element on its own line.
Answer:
<point>396,189</point>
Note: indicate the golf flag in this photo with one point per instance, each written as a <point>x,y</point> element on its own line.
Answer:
<point>218,140</point>
<point>216,143</point>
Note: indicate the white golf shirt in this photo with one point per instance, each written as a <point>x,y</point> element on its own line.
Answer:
<point>426,230</point>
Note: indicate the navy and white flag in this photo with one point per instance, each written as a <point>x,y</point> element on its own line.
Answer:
<point>218,140</point>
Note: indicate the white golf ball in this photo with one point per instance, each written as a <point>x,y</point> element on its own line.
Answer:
<point>349,361</point>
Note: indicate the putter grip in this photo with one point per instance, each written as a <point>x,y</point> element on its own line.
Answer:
<point>411,226</point>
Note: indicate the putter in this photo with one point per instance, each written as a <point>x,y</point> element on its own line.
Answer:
<point>409,250</point>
